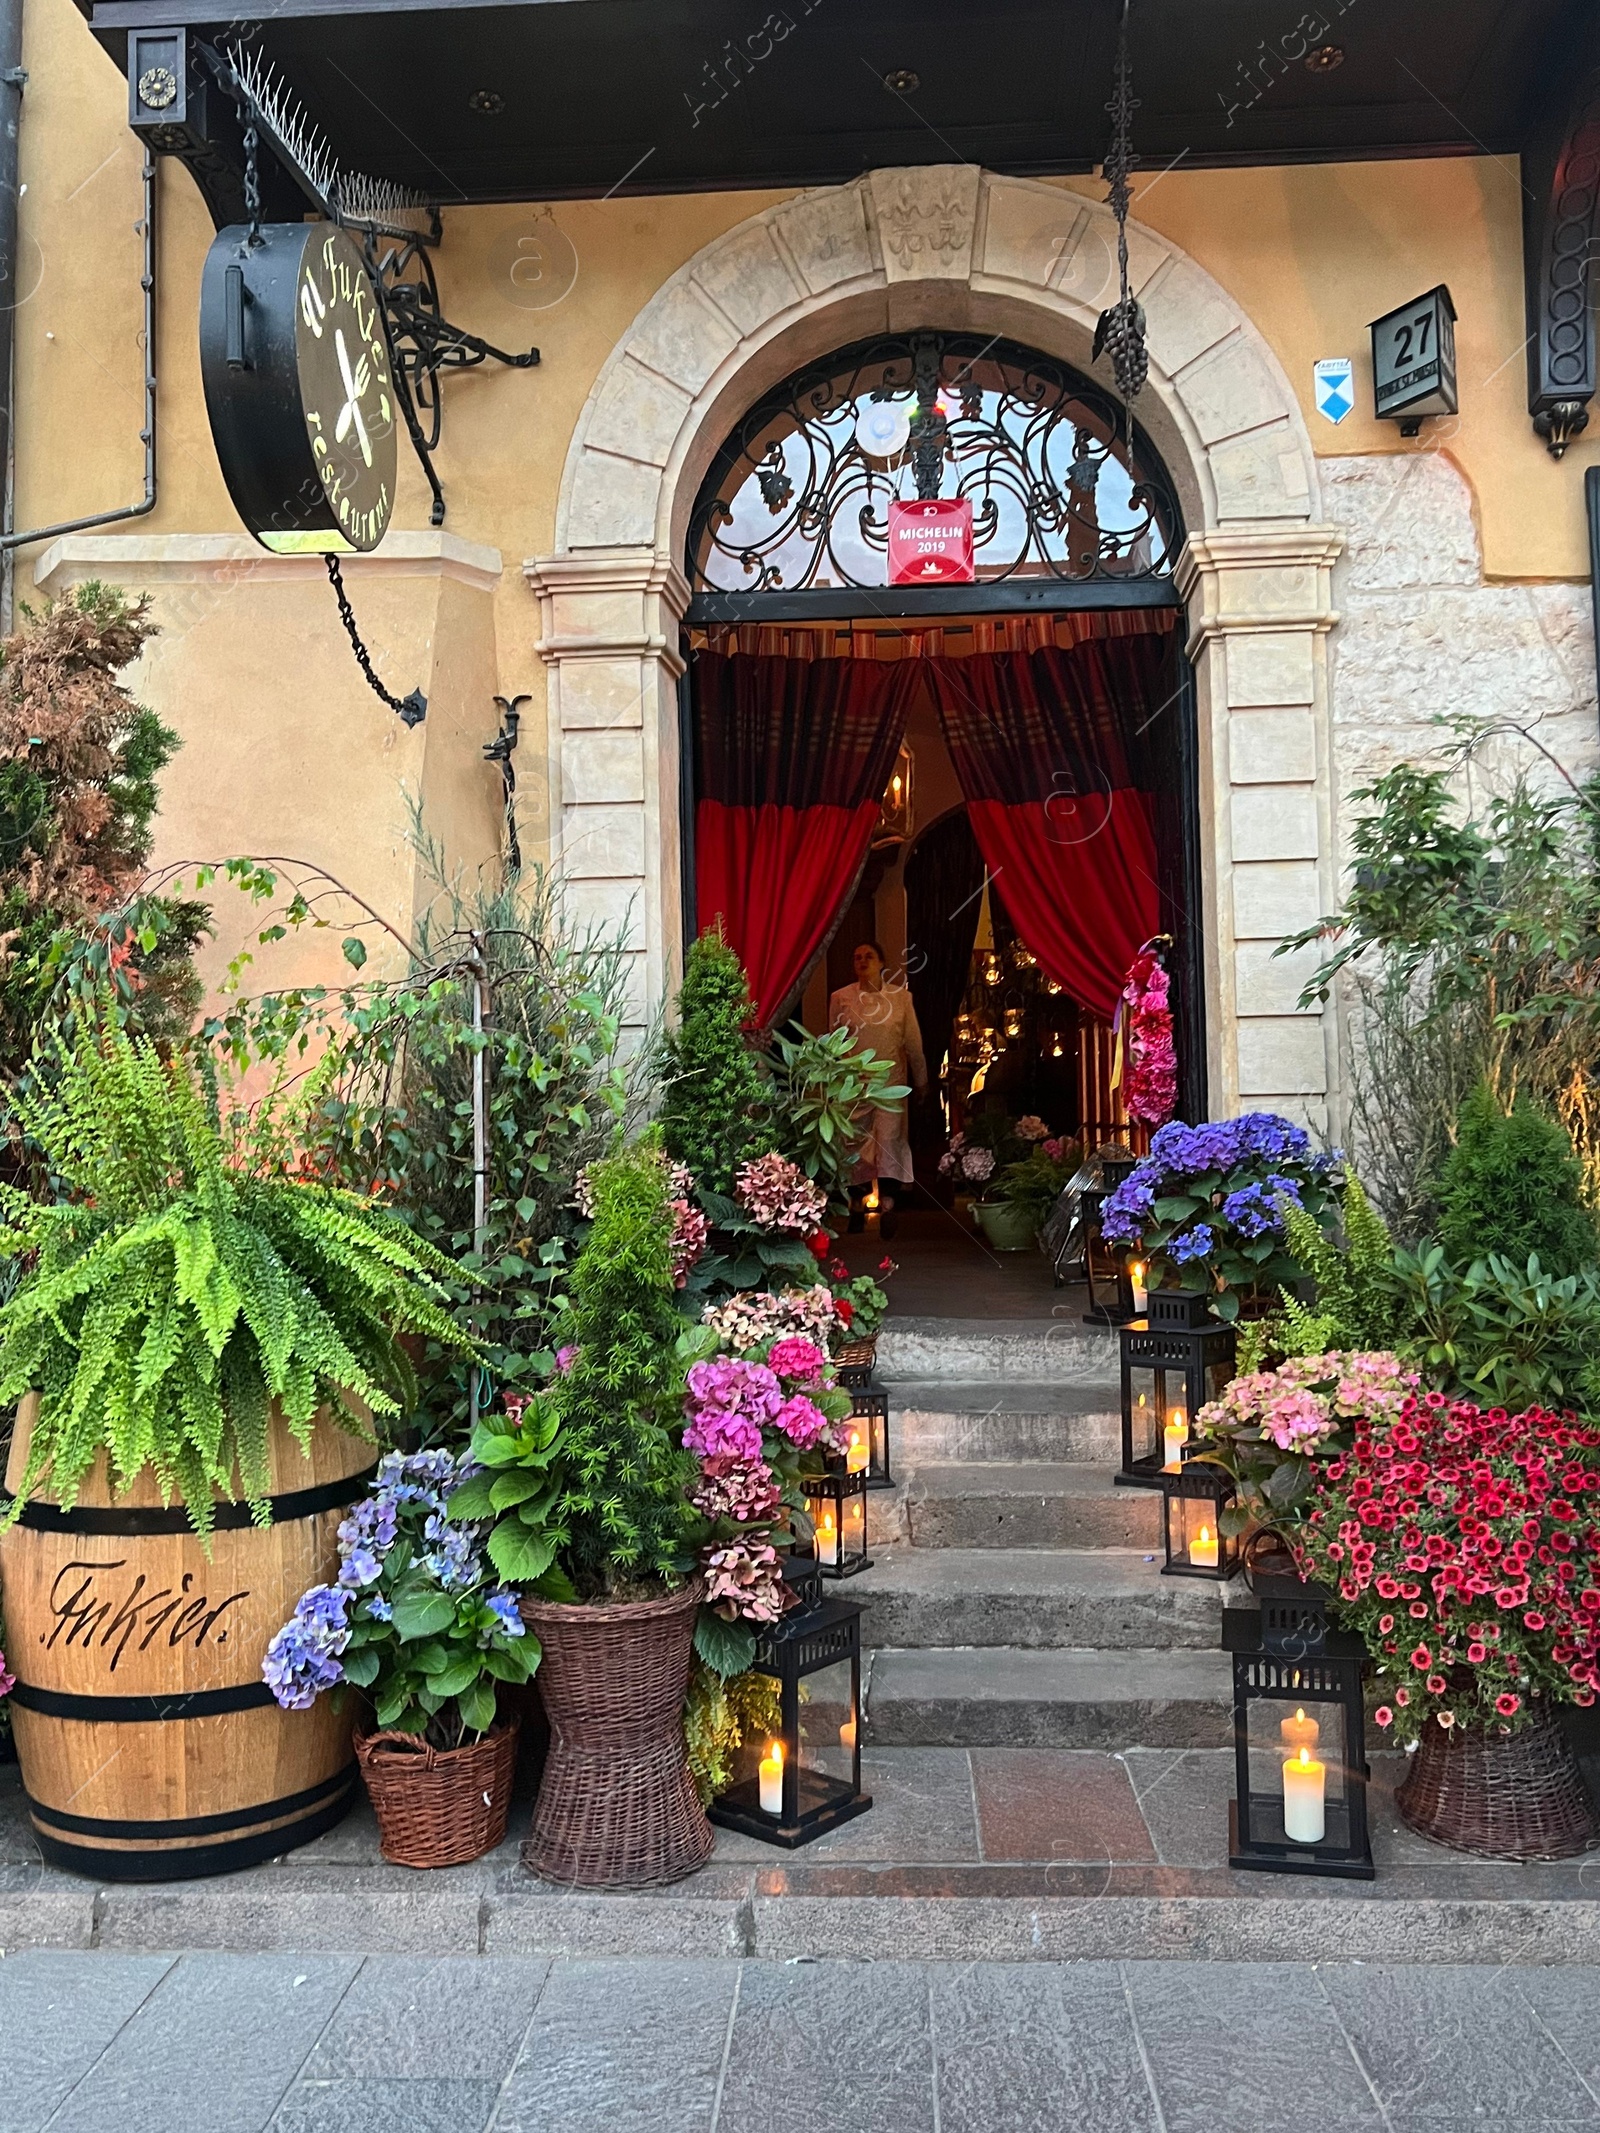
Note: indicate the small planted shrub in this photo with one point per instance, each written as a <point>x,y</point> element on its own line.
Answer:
<point>1511,1186</point>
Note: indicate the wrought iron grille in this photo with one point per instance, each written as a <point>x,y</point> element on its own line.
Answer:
<point>1062,482</point>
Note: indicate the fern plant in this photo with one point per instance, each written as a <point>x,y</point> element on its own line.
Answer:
<point>185,1283</point>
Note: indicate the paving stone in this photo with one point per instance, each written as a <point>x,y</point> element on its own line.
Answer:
<point>1444,2042</point>
<point>1035,2051</point>
<point>1061,1699</point>
<point>934,1421</point>
<point>1183,1797</point>
<point>58,2013</point>
<point>372,2105</point>
<point>823,2045</point>
<point>1567,2002</point>
<point>1045,1805</point>
<point>1006,1346</point>
<point>365,1910</point>
<point>921,1810</point>
<point>212,2050</point>
<point>625,2048</point>
<point>1230,2044</point>
<point>411,2019</point>
<point>1033,1598</point>
<point>1030,1504</point>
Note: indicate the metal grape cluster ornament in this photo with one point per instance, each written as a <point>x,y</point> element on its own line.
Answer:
<point>295,359</point>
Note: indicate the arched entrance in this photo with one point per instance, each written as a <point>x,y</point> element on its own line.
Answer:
<point>836,697</point>
<point>959,249</point>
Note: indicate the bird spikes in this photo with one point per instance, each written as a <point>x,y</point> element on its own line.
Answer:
<point>346,196</point>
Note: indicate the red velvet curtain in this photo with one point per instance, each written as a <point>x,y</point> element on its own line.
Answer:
<point>1046,745</point>
<point>791,760</point>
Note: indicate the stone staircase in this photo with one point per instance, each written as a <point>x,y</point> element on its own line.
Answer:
<point>1015,1596</point>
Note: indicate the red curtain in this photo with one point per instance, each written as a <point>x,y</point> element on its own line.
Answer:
<point>791,760</point>
<point>1046,745</point>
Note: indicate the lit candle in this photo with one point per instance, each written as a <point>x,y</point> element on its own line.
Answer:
<point>828,1540</point>
<point>1173,1439</point>
<point>856,1458</point>
<point>1305,1818</point>
<point>1203,1555</point>
<point>772,1779</point>
<point>847,1734</point>
<point>1299,1732</point>
<point>1141,1295</point>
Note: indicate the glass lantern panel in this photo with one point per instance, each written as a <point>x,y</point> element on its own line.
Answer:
<point>825,1754</point>
<point>1195,1539</point>
<point>1299,1770</point>
<point>858,1453</point>
<point>1218,1377</point>
<point>1157,1397</point>
<point>853,1530</point>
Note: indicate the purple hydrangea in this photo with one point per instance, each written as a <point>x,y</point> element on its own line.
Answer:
<point>1253,1210</point>
<point>303,1658</point>
<point>1197,1243</point>
<point>502,1604</point>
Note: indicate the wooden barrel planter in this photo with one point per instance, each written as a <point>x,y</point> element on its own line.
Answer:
<point>151,1748</point>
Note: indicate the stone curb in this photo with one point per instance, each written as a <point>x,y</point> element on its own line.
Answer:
<point>432,1920</point>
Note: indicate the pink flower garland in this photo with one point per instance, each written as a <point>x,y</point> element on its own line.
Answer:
<point>1150,1085</point>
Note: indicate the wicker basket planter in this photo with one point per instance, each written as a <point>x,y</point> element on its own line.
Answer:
<point>439,1806</point>
<point>1505,1796</point>
<point>617,1808</point>
<point>857,1355</point>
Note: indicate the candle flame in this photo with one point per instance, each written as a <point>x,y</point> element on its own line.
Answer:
<point>1305,1758</point>
<point>1301,1712</point>
<point>774,1752</point>
<point>1204,1535</point>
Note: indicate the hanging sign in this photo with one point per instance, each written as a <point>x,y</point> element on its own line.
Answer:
<point>295,361</point>
<point>930,542</point>
<point>1414,359</point>
<point>1334,381</point>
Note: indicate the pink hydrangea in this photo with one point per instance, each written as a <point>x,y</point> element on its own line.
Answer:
<point>745,1491</point>
<point>756,1316</point>
<point>778,1194</point>
<point>801,1421</point>
<point>690,1230</point>
<point>8,1680</point>
<point>1296,1419</point>
<point>566,1357</point>
<point>717,1433</point>
<point>745,1583</point>
<point>797,1358</point>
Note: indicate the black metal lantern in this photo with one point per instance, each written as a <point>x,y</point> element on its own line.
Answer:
<point>1115,1295</point>
<point>837,1502</point>
<point>868,1427</point>
<point>1192,1502</point>
<point>1174,1359</point>
<point>1299,1731</point>
<point>806,1778</point>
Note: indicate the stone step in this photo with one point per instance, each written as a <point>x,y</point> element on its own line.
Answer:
<point>1059,1350</point>
<point>935,1422</point>
<point>1034,1599</point>
<point>1028,1504</point>
<point>1058,1699</point>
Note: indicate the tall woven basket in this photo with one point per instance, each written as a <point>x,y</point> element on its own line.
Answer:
<point>857,1355</point>
<point>1503,1795</point>
<point>617,1808</point>
<point>439,1806</point>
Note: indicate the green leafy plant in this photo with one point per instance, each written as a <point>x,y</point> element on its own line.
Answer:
<point>820,1089</point>
<point>1511,1185</point>
<point>517,1490</point>
<point>1037,1182</point>
<point>1500,1334</point>
<point>185,1284</point>
<point>713,1116</point>
<point>720,1717</point>
<point>620,1518</point>
<point>1473,951</point>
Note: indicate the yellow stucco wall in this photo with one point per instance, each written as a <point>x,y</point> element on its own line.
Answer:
<point>280,734</point>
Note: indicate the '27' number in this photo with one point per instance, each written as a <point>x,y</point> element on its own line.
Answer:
<point>1421,326</point>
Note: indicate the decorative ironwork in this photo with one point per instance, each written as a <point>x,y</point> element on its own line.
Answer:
<point>1561,218</point>
<point>1063,484</point>
<point>412,709</point>
<point>397,229</point>
<point>1120,332</point>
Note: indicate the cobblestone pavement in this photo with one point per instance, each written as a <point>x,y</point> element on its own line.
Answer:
<point>93,2043</point>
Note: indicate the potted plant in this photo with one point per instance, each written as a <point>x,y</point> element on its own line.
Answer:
<point>1270,1428</point>
<point>860,1306</point>
<point>1206,1207</point>
<point>416,1622</point>
<point>1462,1546</point>
<point>1029,1188</point>
<point>592,1486</point>
<point>191,1322</point>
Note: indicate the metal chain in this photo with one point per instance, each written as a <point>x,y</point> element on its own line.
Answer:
<point>413,709</point>
<point>1120,331</point>
<point>252,176</point>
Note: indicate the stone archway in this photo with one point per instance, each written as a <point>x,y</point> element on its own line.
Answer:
<point>958,247</point>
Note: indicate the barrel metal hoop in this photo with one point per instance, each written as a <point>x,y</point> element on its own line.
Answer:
<point>125,1522</point>
<point>142,1710</point>
<point>195,1825</point>
<point>183,1863</point>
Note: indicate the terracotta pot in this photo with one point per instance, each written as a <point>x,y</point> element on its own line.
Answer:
<point>617,1807</point>
<point>1503,1795</point>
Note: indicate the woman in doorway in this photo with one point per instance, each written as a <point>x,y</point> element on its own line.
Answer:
<point>881,1018</point>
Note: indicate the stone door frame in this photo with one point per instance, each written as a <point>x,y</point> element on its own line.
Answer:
<point>959,248</point>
